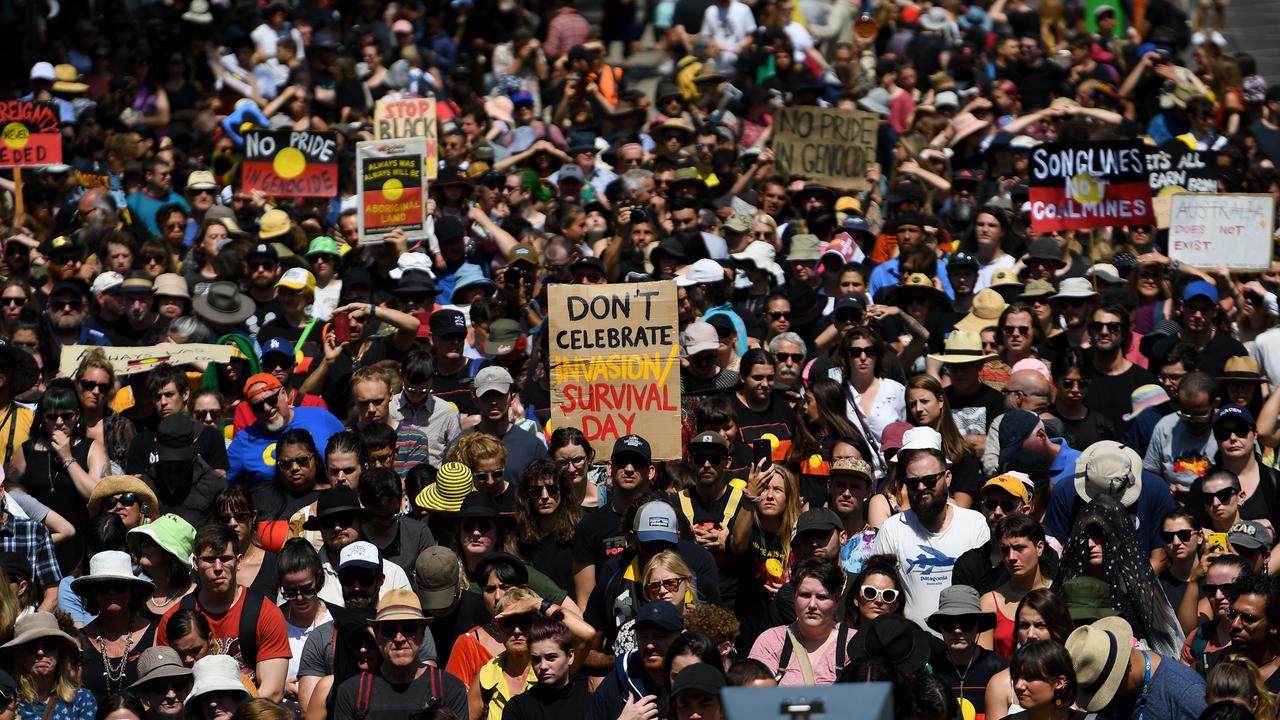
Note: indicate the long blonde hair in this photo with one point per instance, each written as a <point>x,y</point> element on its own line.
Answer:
<point>670,561</point>
<point>64,688</point>
<point>9,607</point>
<point>790,509</point>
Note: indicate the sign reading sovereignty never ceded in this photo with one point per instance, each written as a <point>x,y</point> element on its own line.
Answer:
<point>615,363</point>
<point>829,147</point>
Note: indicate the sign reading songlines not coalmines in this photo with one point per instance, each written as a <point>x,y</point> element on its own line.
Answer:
<point>615,363</point>
<point>830,147</point>
<point>1101,184</point>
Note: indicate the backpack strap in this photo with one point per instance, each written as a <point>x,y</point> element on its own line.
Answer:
<point>249,615</point>
<point>364,696</point>
<point>842,641</point>
<point>731,507</point>
<point>784,657</point>
<point>686,505</point>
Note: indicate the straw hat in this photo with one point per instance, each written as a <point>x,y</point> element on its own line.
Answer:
<point>170,285</point>
<point>1241,368</point>
<point>109,566</point>
<point>453,484</point>
<point>399,605</point>
<point>987,306</point>
<point>962,346</point>
<point>117,484</point>
<point>1100,653</point>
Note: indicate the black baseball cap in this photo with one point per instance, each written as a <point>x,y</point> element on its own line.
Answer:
<point>632,445</point>
<point>818,519</point>
<point>698,676</point>
<point>660,613</point>
<point>447,322</point>
<point>851,301</point>
<point>710,439</point>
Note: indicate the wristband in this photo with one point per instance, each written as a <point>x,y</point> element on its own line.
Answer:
<point>544,607</point>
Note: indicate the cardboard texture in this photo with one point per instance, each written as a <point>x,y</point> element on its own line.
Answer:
<point>1207,230</point>
<point>829,147</point>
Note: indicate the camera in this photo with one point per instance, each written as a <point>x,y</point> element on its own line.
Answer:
<point>638,216</point>
<point>515,277</point>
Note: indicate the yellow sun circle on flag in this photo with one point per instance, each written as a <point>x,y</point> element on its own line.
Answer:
<point>815,461</point>
<point>289,163</point>
<point>773,566</point>
<point>392,189</point>
<point>1087,189</point>
<point>16,135</point>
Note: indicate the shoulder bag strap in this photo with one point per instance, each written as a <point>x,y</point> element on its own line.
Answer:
<point>806,667</point>
<point>686,505</point>
<point>784,657</point>
<point>12,419</point>
<point>870,437</point>
<point>842,639</point>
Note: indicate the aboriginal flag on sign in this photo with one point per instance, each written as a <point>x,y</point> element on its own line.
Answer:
<point>285,163</point>
<point>1099,184</point>
<point>29,134</point>
<point>390,180</point>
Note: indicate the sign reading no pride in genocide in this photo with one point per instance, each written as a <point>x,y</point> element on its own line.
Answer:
<point>830,147</point>
<point>1102,184</point>
<point>389,178</point>
<point>615,363</point>
<point>1207,230</point>
<point>286,163</point>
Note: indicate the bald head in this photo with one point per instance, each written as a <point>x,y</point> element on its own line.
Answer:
<point>1027,390</point>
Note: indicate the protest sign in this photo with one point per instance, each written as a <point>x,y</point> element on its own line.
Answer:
<point>615,363</point>
<point>1207,230</point>
<point>415,117</point>
<point>130,360</point>
<point>390,187</point>
<point>1173,168</point>
<point>1100,184</point>
<point>830,147</point>
<point>289,163</point>
<point>29,131</point>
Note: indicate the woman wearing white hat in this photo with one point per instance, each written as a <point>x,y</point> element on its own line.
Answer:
<point>116,638</point>
<point>217,690</point>
<point>38,658</point>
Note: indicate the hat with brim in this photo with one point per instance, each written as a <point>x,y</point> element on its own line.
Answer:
<point>675,125</point>
<point>1087,598</point>
<point>1241,369</point>
<point>1074,289</point>
<point>67,80</point>
<point>38,625</point>
<point>960,601</point>
<point>961,347</point>
<point>965,125</point>
<point>23,372</point>
<point>453,484</point>
<point>1109,468</point>
<point>335,501</point>
<point>479,505</point>
<point>1037,288</point>
<point>398,605</point>
<point>109,566</point>
<point>987,306</point>
<point>116,484</point>
<point>450,177</point>
<point>170,532</point>
<point>159,662</point>
<point>213,674</point>
<point>825,194</point>
<point>1100,654</point>
<point>898,641</point>
<point>224,304</point>
<point>916,283</point>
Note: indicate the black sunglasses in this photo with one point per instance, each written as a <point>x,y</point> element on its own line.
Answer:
<point>535,491</point>
<point>90,386</point>
<point>266,402</point>
<point>1224,496</point>
<point>125,499</point>
<point>1184,535</point>
<point>792,357</point>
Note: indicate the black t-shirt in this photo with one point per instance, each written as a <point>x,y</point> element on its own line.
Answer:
<point>974,568</point>
<point>1214,356</point>
<point>724,382</point>
<point>122,333</point>
<point>144,451</point>
<point>542,703</point>
<point>777,422</point>
<point>973,413</point>
<point>445,629</point>
<point>1109,394</point>
<point>599,537</point>
<point>969,681</point>
<point>456,389</point>
<point>394,701</point>
<point>337,385</point>
<point>552,558</point>
<point>711,514</point>
<point>1088,430</point>
<point>966,474</point>
<point>689,13</point>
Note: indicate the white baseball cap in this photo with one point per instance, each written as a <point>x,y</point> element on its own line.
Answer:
<point>705,270</point>
<point>921,438</point>
<point>360,554</point>
<point>106,282</point>
<point>43,71</point>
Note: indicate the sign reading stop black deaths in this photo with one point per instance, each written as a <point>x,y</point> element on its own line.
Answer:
<point>615,363</point>
<point>829,147</point>
<point>408,118</point>
<point>287,163</point>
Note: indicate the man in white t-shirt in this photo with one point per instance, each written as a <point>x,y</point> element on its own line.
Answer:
<point>928,538</point>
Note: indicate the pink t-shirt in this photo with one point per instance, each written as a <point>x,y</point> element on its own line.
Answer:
<point>768,649</point>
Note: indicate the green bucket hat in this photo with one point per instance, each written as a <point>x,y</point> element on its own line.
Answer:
<point>323,245</point>
<point>170,532</point>
<point>1087,598</point>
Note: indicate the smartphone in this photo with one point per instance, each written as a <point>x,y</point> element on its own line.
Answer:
<point>1216,542</point>
<point>762,449</point>
<point>341,327</point>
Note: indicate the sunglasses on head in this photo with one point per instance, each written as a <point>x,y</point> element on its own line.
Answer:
<point>125,499</point>
<point>1184,535</point>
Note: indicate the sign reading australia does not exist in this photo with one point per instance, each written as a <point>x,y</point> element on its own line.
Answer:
<point>615,363</point>
<point>830,147</point>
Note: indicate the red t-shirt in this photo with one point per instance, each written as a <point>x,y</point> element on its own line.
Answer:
<point>273,635</point>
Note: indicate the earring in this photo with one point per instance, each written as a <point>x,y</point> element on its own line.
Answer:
<point>1057,702</point>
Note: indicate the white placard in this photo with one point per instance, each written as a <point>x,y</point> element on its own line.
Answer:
<point>1208,230</point>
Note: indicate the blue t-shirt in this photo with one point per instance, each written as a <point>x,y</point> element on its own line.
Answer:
<point>1063,467</point>
<point>143,208</point>
<point>887,274</point>
<point>252,453</point>
<point>1153,503</point>
<point>1176,693</point>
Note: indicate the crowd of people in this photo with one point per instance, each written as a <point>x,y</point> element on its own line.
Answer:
<point>1011,473</point>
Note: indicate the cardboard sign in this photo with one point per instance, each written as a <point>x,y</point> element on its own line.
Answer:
<point>289,163</point>
<point>1176,165</point>
<point>390,185</point>
<point>29,131</point>
<point>830,147</point>
<point>1102,184</point>
<point>132,360</point>
<point>615,363</point>
<point>411,118</point>
<point>1211,229</point>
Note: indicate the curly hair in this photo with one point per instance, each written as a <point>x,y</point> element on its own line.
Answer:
<point>715,622</point>
<point>567,514</point>
<point>471,449</point>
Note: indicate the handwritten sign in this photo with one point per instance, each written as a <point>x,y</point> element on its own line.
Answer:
<point>1210,229</point>
<point>133,360</point>
<point>1176,165</point>
<point>830,147</point>
<point>389,181</point>
<point>1102,184</point>
<point>29,134</point>
<point>415,117</point>
<point>615,363</point>
<point>288,163</point>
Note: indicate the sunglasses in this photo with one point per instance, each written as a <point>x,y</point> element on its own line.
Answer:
<point>1211,590</point>
<point>671,585</point>
<point>780,315</point>
<point>363,578</point>
<point>702,458</point>
<point>90,386</point>
<point>1074,383</point>
<point>1184,535</point>
<point>963,623</point>
<point>126,499</point>
<point>927,481</point>
<point>65,304</point>
<point>887,596</point>
<point>477,525</point>
<point>1017,330</point>
<point>265,403</point>
<point>855,352</point>
<point>13,301</point>
<point>262,265</point>
<point>535,491</point>
<point>389,630</point>
<point>848,317</point>
<point>1098,326</point>
<point>240,517</point>
<point>150,259</point>
<point>309,591</point>
<point>486,476</point>
<point>508,624</point>
<point>301,461</point>
<point>790,357</point>
<point>1222,432</point>
<point>67,417</point>
<point>1224,496</point>
<point>115,587</point>
<point>207,414</point>
<point>1248,618</point>
<point>1008,506</point>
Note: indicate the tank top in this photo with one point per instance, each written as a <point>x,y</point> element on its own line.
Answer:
<point>1004,641</point>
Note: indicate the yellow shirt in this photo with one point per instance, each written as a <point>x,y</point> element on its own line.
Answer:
<point>20,423</point>
<point>493,686</point>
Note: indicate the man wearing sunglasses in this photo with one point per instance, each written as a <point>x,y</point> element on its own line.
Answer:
<point>66,312</point>
<point>1253,620</point>
<point>929,537</point>
<point>1003,495</point>
<point>252,452</point>
<point>1114,377</point>
<point>340,519</point>
<point>1182,443</point>
<point>404,682</point>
